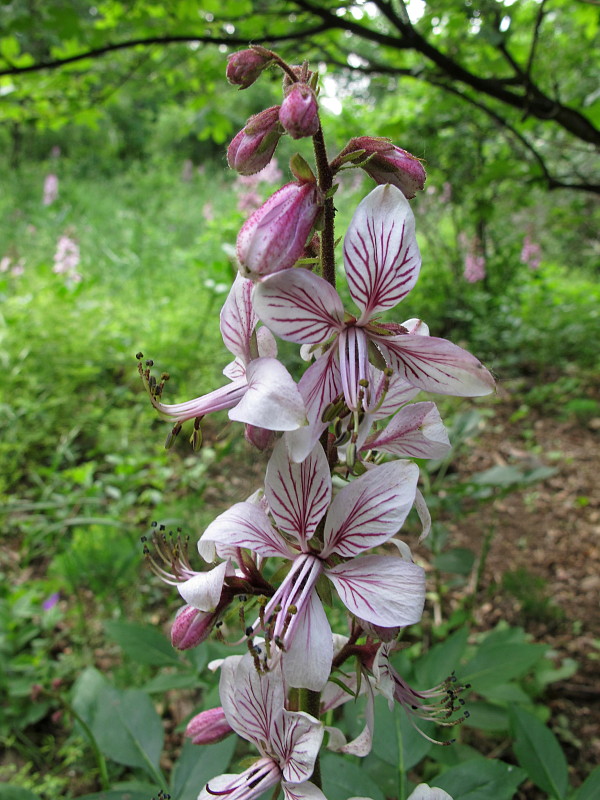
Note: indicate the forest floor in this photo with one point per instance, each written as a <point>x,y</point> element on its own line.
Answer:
<point>542,570</point>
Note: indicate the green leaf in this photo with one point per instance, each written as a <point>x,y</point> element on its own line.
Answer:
<point>128,729</point>
<point>8,792</point>
<point>178,680</point>
<point>498,663</point>
<point>142,643</point>
<point>125,791</point>
<point>538,751</point>
<point>481,779</point>
<point>590,788</point>
<point>487,717</point>
<point>459,560</point>
<point>86,691</point>
<point>395,740</point>
<point>433,667</point>
<point>343,779</point>
<point>197,765</point>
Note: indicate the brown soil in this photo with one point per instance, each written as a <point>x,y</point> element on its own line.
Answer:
<point>548,537</point>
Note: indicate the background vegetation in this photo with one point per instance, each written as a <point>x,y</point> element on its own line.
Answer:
<point>125,104</point>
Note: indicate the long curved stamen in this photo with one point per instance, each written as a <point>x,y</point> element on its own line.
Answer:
<point>172,550</point>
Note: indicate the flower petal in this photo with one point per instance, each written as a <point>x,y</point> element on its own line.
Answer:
<point>384,590</point>
<point>252,701</point>
<point>436,365</point>
<point>417,431</point>
<point>272,400</point>
<point>298,494</point>
<point>319,386</point>
<point>308,657</point>
<point>381,256</point>
<point>371,509</point>
<point>296,738</point>
<point>238,319</point>
<point>203,591</point>
<point>245,525</point>
<point>299,306</point>
<point>302,791</point>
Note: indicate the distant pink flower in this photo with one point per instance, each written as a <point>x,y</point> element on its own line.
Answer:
<point>474,268</point>
<point>50,189</point>
<point>531,254</point>
<point>66,259</point>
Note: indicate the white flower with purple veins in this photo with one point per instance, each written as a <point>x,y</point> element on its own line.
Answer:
<point>382,263</point>
<point>262,393</point>
<point>385,590</point>
<point>288,741</point>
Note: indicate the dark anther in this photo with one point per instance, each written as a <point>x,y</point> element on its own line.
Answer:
<point>139,356</point>
<point>248,630</point>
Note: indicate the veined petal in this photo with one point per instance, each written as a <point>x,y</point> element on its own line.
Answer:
<point>225,397</point>
<point>384,590</point>
<point>252,701</point>
<point>436,365</point>
<point>381,256</point>
<point>309,653</point>
<point>417,431</point>
<point>272,400</point>
<point>298,494</point>
<point>302,791</point>
<point>299,306</point>
<point>238,319</point>
<point>296,738</point>
<point>246,525</point>
<point>425,792</point>
<point>249,784</point>
<point>319,386</point>
<point>203,591</point>
<point>361,745</point>
<point>371,509</point>
<point>391,393</point>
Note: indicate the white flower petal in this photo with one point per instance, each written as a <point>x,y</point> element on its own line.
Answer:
<point>245,525</point>
<point>298,494</point>
<point>299,306</point>
<point>384,590</point>
<point>307,660</point>
<point>381,256</point>
<point>371,509</point>
<point>272,400</point>
<point>203,591</point>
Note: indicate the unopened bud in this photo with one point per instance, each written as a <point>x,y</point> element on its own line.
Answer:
<point>253,147</point>
<point>261,438</point>
<point>191,627</point>
<point>299,113</point>
<point>244,67</point>
<point>388,163</point>
<point>274,236</point>
<point>208,727</point>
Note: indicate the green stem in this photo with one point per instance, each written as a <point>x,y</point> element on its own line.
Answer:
<point>310,702</point>
<point>325,176</point>
<point>401,770</point>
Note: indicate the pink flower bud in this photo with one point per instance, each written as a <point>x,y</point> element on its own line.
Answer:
<point>208,727</point>
<point>190,627</point>
<point>299,113</point>
<point>253,147</point>
<point>260,438</point>
<point>389,164</point>
<point>274,236</point>
<point>244,67</point>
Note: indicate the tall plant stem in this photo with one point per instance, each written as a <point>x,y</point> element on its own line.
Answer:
<point>325,176</point>
<point>310,702</point>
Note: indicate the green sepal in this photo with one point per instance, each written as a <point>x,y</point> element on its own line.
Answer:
<point>301,169</point>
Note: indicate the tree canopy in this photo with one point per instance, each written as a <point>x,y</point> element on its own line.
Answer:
<point>525,69</point>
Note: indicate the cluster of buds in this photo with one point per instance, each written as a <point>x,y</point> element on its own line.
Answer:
<point>350,416</point>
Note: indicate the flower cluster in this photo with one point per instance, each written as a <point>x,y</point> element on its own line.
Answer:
<point>322,530</point>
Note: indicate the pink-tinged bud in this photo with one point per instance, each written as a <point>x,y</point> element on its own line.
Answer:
<point>253,147</point>
<point>299,113</point>
<point>244,67</point>
<point>274,236</point>
<point>191,627</point>
<point>260,438</point>
<point>389,164</point>
<point>208,727</point>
